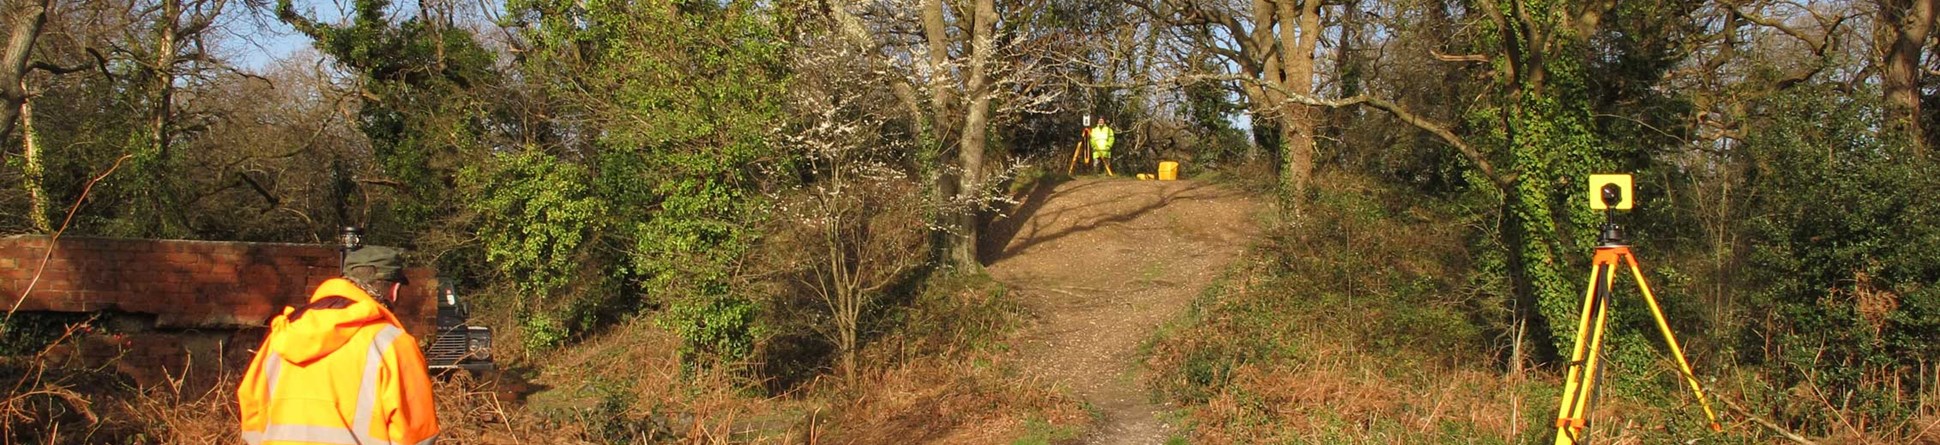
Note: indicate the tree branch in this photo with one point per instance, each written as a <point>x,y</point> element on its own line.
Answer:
<point>1481,162</point>
<point>260,190</point>
<point>1396,110</point>
<point>1482,58</point>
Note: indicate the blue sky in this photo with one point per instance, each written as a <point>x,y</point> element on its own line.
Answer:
<point>259,40</point>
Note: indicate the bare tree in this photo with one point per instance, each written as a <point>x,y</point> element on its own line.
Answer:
<point>178,41</point>
<point>970,64</point>
<point>855,214</point>
<point>1272,43</point>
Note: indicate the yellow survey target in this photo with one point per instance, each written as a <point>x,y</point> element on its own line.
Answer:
<point>1611,192</point>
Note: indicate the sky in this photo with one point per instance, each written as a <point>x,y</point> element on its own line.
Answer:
<point>259,40</point>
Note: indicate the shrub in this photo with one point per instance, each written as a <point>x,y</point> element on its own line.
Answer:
<point>1848,289</point>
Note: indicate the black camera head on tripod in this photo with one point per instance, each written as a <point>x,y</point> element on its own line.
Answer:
<point>1612,195</point>
<point>1612,233</point>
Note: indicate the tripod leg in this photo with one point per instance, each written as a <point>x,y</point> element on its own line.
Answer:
<point>1581,374</point>
<point>1068,170</point>
<point>1593,367</point>
<point>1665,327</point>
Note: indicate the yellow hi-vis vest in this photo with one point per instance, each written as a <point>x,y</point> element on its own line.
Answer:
<point>341,373</point>
<point>1101,139</point>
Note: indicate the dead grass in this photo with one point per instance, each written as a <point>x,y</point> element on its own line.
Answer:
<point>1341,396</point>
<point>44,398</point>
<point>1352,325</point>
<point>950,402</point>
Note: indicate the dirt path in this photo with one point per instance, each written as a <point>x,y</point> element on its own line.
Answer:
<point>1101,263</point>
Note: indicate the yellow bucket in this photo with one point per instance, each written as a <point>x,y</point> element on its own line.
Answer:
<point>1168,170</point>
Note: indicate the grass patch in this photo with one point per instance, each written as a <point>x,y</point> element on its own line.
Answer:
<point>1037,431</point>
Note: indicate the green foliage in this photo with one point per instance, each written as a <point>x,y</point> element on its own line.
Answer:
<point>1557,154</point>
<point>541,331</point>
<point>1550,149</point>
<point>1210,106</point>
<point>83,127</point>
<point>1850,286</point>
<point>536,212</point>
<point>672,104</point>
<point>422,83</point>
<point>718,327</point>
<point>1547,132</point>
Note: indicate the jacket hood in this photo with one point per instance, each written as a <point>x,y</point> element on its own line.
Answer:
<point>318,332</point>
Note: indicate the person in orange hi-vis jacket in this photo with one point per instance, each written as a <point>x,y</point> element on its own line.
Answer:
<point>341,369</point>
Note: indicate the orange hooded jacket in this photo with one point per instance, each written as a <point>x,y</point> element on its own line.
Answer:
<point>342,373</point>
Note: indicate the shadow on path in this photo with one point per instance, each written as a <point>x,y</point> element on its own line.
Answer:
<point>1025,221</point>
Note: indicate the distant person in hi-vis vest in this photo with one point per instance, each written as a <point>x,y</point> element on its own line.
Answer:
<point>1101,137</point>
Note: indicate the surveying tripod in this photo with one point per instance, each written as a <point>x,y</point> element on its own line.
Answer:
<point>1075,154</point>
<point>1579,390</point>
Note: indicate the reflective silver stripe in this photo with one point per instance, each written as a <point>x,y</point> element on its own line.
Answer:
<point>367,390</point>
<point>318,434</point>
<point>429,440</point>
<point>272,367</point>
<point>272,370</point>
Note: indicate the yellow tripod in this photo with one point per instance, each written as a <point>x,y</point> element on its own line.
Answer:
<point>1572,418</point>
<point>1075,154</point>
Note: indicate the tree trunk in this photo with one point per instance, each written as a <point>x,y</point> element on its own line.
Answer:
<point>33,170</point>
<point>937,35</point>
<point>970,149</point>
<point>1300,35</point>
<point>1346,60</point>
<point>162,116</point>
<point>1904,28</point>
<point>13,63</point>
<point>1258,102</point>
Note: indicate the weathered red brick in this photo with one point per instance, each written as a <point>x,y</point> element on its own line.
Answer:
<point>138,246</point>
<point>31,242</point>
<point>182,258</point>
<point>49,300</point>
<point>151,262</point>
<point>51,278</point>
<point>26,251</point>
<point>36,262</point>
<point>93,298</point>
<point>224,269</point>
<point>146,286</point>
<point>264,307</point>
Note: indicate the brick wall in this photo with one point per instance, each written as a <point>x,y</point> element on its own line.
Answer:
<point>183,292</point>
<point>184,284</point>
